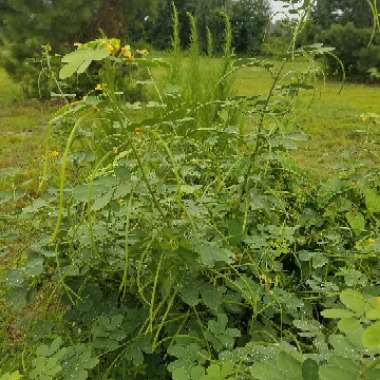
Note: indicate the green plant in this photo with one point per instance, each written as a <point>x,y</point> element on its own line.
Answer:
<point>187,243</point>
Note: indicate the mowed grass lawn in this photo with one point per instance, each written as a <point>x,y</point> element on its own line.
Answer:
<point>332,119</point>
<point>21,126</point>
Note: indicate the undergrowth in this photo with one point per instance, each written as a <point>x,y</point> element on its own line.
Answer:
<point>180,241</point>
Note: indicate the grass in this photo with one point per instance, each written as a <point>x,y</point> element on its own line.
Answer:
<point>331,118</point>
<point>21,126</point>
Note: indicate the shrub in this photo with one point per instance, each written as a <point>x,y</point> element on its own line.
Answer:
<point>353,49</point>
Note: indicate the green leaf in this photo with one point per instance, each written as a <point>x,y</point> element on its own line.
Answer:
<point>374,313</point>
<point>187,189</point>
<point>211,297</point>
<point>319,261</point>
<point>219,335</point>
<point>371,337</point>
<point>49,350</point>
<point>284,367</point>
<point>372,200</point>
<point>220,372</point>
<point>339,368</point>
<point>310,370</point>
<point>45,368</point>
<point>344,347</point>
<point>77,361</point>
<point>11,376</point>
<point>103,201</point>
<point>353,329</point>
<point>79,60</point>
<point>354,301</point>
<point>15,278</point>
<point>356,221</point>
<point>337,313</point>
<point>34,266</point>
<point>189,359</point>
<point>353,277</point>
<point>373,374</point>
<point>37,205</point>
<point>136,349</point>
<point>190,295</point>
<point>108,333</point>
<point>189,373</point>
<point>349,325</point>
<point>186,352</point>
<point>18,297</point>
<point>210,254</point>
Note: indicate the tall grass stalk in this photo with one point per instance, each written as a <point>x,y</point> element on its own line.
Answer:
<point>176,45</point>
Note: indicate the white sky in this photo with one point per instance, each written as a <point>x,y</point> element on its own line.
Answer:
<point>277,7</point>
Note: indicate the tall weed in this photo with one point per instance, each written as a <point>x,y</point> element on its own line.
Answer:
<point>186,247</point>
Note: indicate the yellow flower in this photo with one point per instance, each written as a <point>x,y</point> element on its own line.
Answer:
<point>126,52</point>
<point>99,87</point>
<point>113,46</point>
<point>54,154</point>
<point>110,48</point>
<point>371,241</point>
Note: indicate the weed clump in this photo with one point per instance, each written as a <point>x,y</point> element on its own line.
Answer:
<point>187,244</point>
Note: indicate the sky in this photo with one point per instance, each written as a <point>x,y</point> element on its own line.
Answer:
<point>277,7</point>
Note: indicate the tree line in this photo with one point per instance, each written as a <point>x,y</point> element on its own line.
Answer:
<point>26,25</point>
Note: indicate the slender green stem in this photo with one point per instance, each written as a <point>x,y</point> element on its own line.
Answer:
<point>46,158</point>
<point>146,181</point>
<point>123,285</point>
<point>259,137</point>
<point>164,317</point>
<point>153,298</point>
<point>63,176</point>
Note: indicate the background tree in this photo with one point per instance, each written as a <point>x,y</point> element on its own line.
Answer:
<point>329,12</point>
<point>345,25</point>
<point>250,20</point>
<point>26,25</point>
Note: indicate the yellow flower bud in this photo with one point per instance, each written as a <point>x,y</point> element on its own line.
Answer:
<point>126,52</point>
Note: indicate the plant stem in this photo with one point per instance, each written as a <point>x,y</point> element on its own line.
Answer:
<point>253,155</point>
